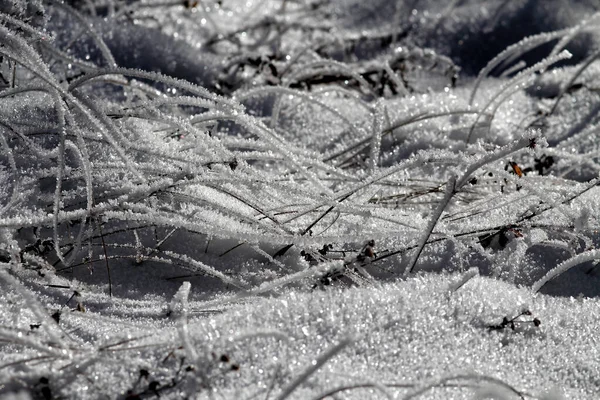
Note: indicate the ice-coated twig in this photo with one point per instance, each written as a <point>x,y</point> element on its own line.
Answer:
<point>82,154</point>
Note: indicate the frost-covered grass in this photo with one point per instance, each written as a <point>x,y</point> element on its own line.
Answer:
<point>299,199</point>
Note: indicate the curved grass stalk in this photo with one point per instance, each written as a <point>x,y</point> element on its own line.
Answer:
<point>467,377</point>
<point>574,31</point>
<point>23,89</point>
<point>179,101</point>
<point>84,65</point>
<point>517,81</point>
<point>154,76</point>
<point>106,53</point>
<point>516,49</point>
<point>21,52</point>
<point>273,140</point>
<point>324,65</point>
<point>254,207</point>
<point>91,111</point>
<point>563,267</point>
<point>528,81</point>
<point>529,215</point>
<point>398,124</point>
<point>212,147</point>
<point>515,68</point>
<point>239,233</point>
<point>281,90</point>
<point>31,60</point>
<point>365,385</point>
<point>38,34</point>
<point>588,61</point>
<point>344,194</point>
<point>294,59</point>
<point>263,253</point>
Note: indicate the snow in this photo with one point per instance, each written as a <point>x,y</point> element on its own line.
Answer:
<point>299,199</point>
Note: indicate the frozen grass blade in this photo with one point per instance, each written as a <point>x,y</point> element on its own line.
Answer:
<point>564,266</point>
<point>565,86</point>
<point>49,325</point>
<point>378,118</point>
<point>318,363</point>
<point>454,186</point>
<point>467,377</point>
<point>374,385</point>
<point>515,83</point>
<point>516,49</point>
<point>154,76</point>
<point>89,28</point>
<point>449,192</point>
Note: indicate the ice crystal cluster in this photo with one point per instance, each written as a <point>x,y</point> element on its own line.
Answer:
<point>299,199</point>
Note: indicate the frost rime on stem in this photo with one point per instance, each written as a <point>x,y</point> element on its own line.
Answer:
<point>454,186</point>
<point>565,266</point>
<point>450,190</point>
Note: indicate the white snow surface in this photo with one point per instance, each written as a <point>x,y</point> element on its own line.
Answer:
<point>299,199</point>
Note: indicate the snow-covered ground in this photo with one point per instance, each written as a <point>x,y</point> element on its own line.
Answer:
<point>299,199</point>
